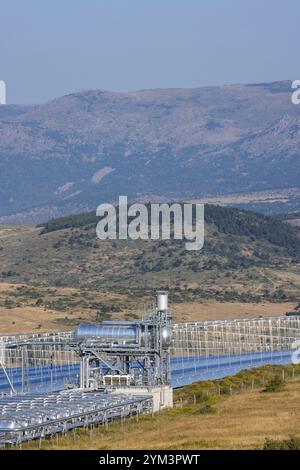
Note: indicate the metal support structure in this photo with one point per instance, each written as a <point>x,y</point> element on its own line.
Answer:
<point>135,353</point>
<point>28,417</point>
<point>231,337</point>
<point>141,356</point>
<point>126,353</point>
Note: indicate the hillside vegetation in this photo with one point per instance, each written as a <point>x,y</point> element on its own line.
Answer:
<point>226,220</point>
<point>245,256</point>
<point>62,267</point>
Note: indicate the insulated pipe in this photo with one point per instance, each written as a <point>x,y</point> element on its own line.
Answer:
<point>104,333</point>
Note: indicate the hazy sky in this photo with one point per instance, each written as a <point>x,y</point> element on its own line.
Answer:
<point>52,47</point>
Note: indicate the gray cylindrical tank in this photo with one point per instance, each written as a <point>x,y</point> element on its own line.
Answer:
<point>162,301</point>
<point>113,333</point>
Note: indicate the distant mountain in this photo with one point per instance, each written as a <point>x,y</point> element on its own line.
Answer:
<point>71,154</point>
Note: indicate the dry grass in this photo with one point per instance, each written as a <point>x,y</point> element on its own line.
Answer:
<point>28,317</point>
<point>228,310</point>
<point>242,422</point>
<point>25,316</point>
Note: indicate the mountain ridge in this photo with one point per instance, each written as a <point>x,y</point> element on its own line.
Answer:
<point>164,144</point>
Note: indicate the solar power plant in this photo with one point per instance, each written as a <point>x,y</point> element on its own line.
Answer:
<point>53,382</point>
<point>199,351</point>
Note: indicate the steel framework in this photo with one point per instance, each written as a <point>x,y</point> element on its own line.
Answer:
<point>49,381</point>
<point>123,353</point>
<point>213,338</point>
<point>27,417</point>
<point>50,365</point>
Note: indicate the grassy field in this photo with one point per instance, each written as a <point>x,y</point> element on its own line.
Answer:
<point>243,420</point>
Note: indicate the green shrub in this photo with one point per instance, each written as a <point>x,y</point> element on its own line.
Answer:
<point>275,384</point>
<point>293,443</point>
<point>207,409</point>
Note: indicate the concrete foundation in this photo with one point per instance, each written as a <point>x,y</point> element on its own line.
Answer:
<point>162,396</point>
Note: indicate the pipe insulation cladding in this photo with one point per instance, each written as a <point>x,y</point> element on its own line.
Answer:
<point>152,331</point>
<point>107,333</point>
<point>120,334</point>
